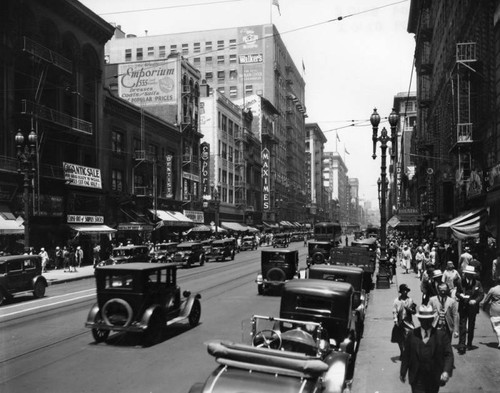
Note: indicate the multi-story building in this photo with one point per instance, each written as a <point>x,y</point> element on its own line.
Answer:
<point>315,144</point>
<point>455,138</point>
<point>241,62</point>
<point>234,164</point>
<point>335,175</point>
<point>354,211</point>
<point>52,84</point>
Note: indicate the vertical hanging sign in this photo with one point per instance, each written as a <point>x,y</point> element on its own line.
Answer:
<point>266,192</point>
<point>205,170</point>
<point>170,191</point>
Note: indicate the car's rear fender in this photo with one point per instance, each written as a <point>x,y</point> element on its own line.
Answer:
<point>334,379</point>
<point>38,278</point>
<point>146,316</point>
<point>92,313</point>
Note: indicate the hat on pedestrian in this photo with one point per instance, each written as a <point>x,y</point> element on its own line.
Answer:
<point>437,273</point>
<point>450,264</point>
<point>425,312</point>
<point>404,287</point>
<point>42,249</point>
<point>467,248</point>
<point>57,248</point>
<point>470,270</point>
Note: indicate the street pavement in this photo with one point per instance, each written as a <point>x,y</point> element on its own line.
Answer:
<point>378,364</point>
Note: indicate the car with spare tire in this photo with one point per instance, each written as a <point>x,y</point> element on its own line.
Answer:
<point>277,267</point>
<point>140,298</point>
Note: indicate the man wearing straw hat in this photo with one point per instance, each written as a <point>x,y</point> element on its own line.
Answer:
<point>469,294</point>
<point>427,355</point>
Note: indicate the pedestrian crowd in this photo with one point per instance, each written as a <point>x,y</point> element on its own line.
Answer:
<point>451,297</point>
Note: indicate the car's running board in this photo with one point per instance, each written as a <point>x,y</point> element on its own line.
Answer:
<point>175,320</point>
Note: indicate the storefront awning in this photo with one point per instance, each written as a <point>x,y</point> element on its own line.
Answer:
<point>172,219</point>
<point>252,229</point>
<point>11,227</point>
<point>400,222</point>
<point>99,229</point>
<point>270,225</point>
<point>234,226</point>
<point>467,224</point>
<point>286,224</point>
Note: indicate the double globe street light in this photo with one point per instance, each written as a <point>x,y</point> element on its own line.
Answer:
<point>384,138</point>
<point>26,154</point>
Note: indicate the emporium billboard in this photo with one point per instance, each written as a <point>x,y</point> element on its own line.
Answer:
<point>149,83</point>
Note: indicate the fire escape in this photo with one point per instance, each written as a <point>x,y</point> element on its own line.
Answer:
<point>462,140</point>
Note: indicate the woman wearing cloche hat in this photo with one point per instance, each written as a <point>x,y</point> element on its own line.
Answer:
<point>402,311</point>
<point>428,356</point>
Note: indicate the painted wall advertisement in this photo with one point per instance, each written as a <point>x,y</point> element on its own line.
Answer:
<point>148,83</point>
<point>250,56</point>
<point>205,170</point>
<point>266,191</point>
<point>79,175</point>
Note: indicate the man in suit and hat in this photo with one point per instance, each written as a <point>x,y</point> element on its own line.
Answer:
<point>428,356</point>
<point>430,287</point>
<point>469,294</point>
<point>446,309</point>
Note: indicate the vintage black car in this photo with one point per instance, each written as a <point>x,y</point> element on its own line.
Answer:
<point>222,249</point>
<point>330,303</point>
<point>189,253</point>
<point>207,245</point>
<point>277,267</point>
<point>281,240</point>
<point>284,355</point>
<point>127,254</point>
<point>370,243</point>
<point>352,275</point>
<point>141,298</point>
<point>163,252</point>
<point>360,256</point>
<point>21,273</point>
<point>248,243</point>
<point>318,252</point>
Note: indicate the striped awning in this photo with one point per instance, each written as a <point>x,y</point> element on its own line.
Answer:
<point>468,224</point>
<point>102,229</point>
<point>11,227</point>
<point>172,218</point>
<point>234,226</point>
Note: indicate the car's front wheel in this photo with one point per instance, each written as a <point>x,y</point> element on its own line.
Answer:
<point>39,289</point>
<point>195,314</point>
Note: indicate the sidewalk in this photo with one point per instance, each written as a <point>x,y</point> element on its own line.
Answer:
<point>377,364</point>
<point>58,276</point>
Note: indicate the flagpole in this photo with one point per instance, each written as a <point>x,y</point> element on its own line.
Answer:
<point>336,141</point>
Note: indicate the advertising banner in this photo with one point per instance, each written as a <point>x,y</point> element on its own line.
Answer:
<point>266,192</point>
<point>78,175</point>
<point>169,183</point>
<point>250,54</point>
<point>205,170</point>
<point>79,219</point>
<point>148,83</point>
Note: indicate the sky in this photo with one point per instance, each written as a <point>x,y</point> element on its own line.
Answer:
<point>352,65</point>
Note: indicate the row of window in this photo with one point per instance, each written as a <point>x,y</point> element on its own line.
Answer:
<point>152,53</point>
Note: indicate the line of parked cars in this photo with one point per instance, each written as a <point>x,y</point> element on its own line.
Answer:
<point>311,345</point>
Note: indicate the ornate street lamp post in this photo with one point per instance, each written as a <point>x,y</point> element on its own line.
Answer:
<point>216,204</point>
<point>383,139</point>
<point>26,153</point>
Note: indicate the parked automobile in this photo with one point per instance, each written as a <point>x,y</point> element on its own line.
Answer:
<point>207,245</point>
<point>370,243</point>
<point>318,252</point>
<point>360,256</point>
<point>189,253</point>
<point>127,254</point>
<point>141,298</point>
<point>248,243</point>
<point>281,240</point>
<point>297,237</point>
<point>222,249</point>
<point>327,302</point>
<point>21,273</point>
<point>163,252</point>
<point>277,267</point>
<point>352,275</point>
<point>283,356</point>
